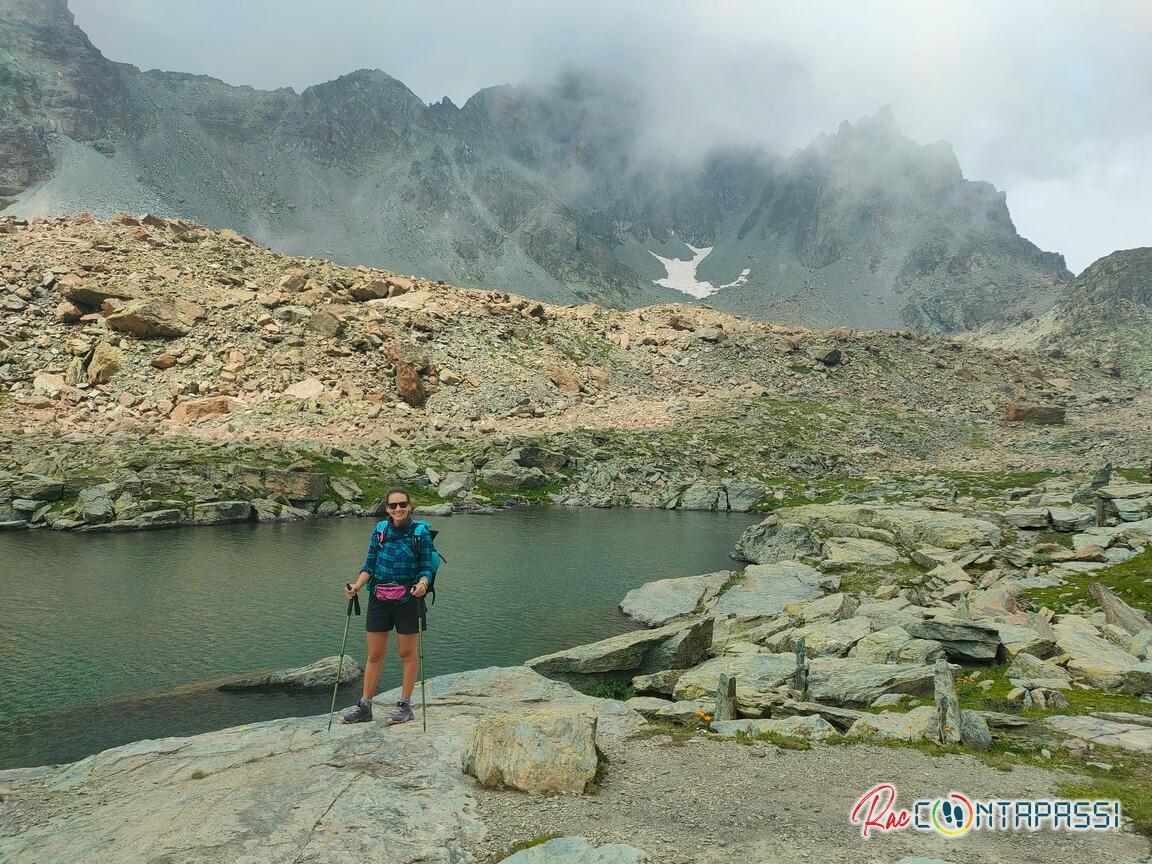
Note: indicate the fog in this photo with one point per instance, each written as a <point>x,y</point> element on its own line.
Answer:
<point>1047,99</point>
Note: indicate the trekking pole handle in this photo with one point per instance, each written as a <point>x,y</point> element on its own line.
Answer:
<point>354,603</point>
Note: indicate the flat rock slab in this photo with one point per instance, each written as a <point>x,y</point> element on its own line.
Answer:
<point>654,604</point>
<point>767,588</point>
<point>813,727</point>
<point>577,850</point>
<point>285,790</point>
<point>912,527</point>
<point>1130,736</point>
<point>1098,663</point>
<point>675,646</point>
<point>853,683</point>
<point>757,677</point>
<point>320,674</point>
<point>841,553</point>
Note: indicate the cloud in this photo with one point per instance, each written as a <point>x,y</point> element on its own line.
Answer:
<point>1045,98</point>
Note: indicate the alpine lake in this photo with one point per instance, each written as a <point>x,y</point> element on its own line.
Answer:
<point>111,638</point>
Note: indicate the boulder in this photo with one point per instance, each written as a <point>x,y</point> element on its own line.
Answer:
<point>963,641</point>
<point>319,675</point>
<point>919,724</point>
<point>911,527</point>
<point>676,646</point>
<point>812,727</point>
<point>221,512</point>
<point>1109,733</point>
<point>841,718</point>
<point>346,488</point>
<point>757,678</point>
<point>656,603</point>
<point>1141,645</point>
<point>1119,613</point>
<point>297,486</point>
<point>195,410</point>
<point>509,476</point>
<point>1097,662</point>
<point>851,682</point>
<point>1030,672</point>
<point>95,504</point>
<point>771,541</point>
<point>744,493</point>
<point>895,645</point>
<point>845,553</point>
<point>456,483</point>
<point>105,362</point>
<point>767,588</point>
<point>273,511</point>
<point>833,607</point>
<point>1045,415</point>
<point>543,752</point>
<point>657,682</point>
<point>1071,518</point>
<point>309,388</point>
<point>409,384</point>
<point>701,496</point>
<point>828,639</point>
<point>154,318</point>
<point>1027,517</point>
<point>974,731</point>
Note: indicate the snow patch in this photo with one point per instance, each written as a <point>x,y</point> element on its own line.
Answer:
<point>682,274</point>
<point>739,280</point>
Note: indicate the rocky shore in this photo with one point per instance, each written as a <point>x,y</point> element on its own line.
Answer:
<point>1000,649</point>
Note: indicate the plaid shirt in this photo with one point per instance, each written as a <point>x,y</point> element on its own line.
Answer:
<point>398,555</point>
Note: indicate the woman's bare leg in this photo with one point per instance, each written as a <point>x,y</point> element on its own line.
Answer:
<point>409,663</point>
<point>377,649</point>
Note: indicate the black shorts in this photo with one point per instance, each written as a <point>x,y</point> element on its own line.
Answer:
<point>405,617</point>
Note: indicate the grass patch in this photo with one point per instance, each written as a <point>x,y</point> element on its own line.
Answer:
<point>1131,580</point>
<point>197,775</point>
<point>1080,701</point>
<point>608,689</point>
<point>678,732</point>
<point>735,579</point>
<point>1132,475</point>
<point>981,484</point>
<point>784,742</point>
<point>525,844</point>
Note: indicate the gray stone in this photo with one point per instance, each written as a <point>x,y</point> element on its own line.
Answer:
<point>1129,736</point>
<point>974,731</point>
<point>912,527</point>
<point>656,603</point>
<point>657,682</point>
<point>1071,518</point>
<point>546,751</point>
<point>1027,517</point>
<point>757,678</point>
<point>828,639</point>
<point>963,642</point>
<point>456,483</point>
<point>919,724</point>
<point>577,850</point>
<point>813,727</point>
<point>767,588</point>
<point>744,494</point>
<point>841,718</point>
<point>95,504</point>
<point>1097,662</point>
<point>895,645</point>
<point>1141,647</point>
<point>1119,613</point>
<point>675,646</point>
<point>849,681</point>
<point>700,496</point>
<point>318,675</point>
<point>947,728</point>
<point>509,476</point>
<point>1029,671</point>
<point>274,511</point>
<point>834,607</point>
<point>770,541</point>
<point>844,553</point>
<point>173,798</point>
<point>346,488</point>
<point>221,512</point>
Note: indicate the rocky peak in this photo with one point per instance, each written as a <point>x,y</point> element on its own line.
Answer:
<point>1125,276</point>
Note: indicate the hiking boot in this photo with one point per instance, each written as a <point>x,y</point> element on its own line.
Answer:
<point>402,713</point>
<point>361,713</point>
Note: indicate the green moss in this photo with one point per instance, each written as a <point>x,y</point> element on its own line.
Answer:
<point>1133,475</point>
<point>524,844</point>
<point>1131,580</point>
<point>784,742</point>
<point>678,732</point>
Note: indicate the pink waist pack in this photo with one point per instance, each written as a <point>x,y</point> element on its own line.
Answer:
<point>391,592</point>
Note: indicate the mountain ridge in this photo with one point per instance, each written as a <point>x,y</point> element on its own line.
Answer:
<point>544,191</point>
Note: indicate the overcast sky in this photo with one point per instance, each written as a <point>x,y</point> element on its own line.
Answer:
<point>1050,100</point>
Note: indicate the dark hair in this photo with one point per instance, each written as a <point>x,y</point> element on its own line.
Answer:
<point>398,489</point>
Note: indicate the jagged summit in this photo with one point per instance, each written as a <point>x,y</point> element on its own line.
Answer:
<point>543,191</point>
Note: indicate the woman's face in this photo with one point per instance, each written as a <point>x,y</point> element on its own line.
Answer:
<point>398,507</point>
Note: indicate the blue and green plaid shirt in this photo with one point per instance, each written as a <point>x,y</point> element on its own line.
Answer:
<point>399,554</point>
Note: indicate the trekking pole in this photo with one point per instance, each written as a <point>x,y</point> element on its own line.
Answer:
<point>420,653</point>
<point>352,603</point>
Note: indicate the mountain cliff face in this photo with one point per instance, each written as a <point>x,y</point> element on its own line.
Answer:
<point>1105,315</point>
<point>540,191</point>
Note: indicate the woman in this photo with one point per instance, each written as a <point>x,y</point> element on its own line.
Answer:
<point>398,571</point>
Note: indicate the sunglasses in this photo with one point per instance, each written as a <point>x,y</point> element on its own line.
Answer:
<point>398,505</point>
